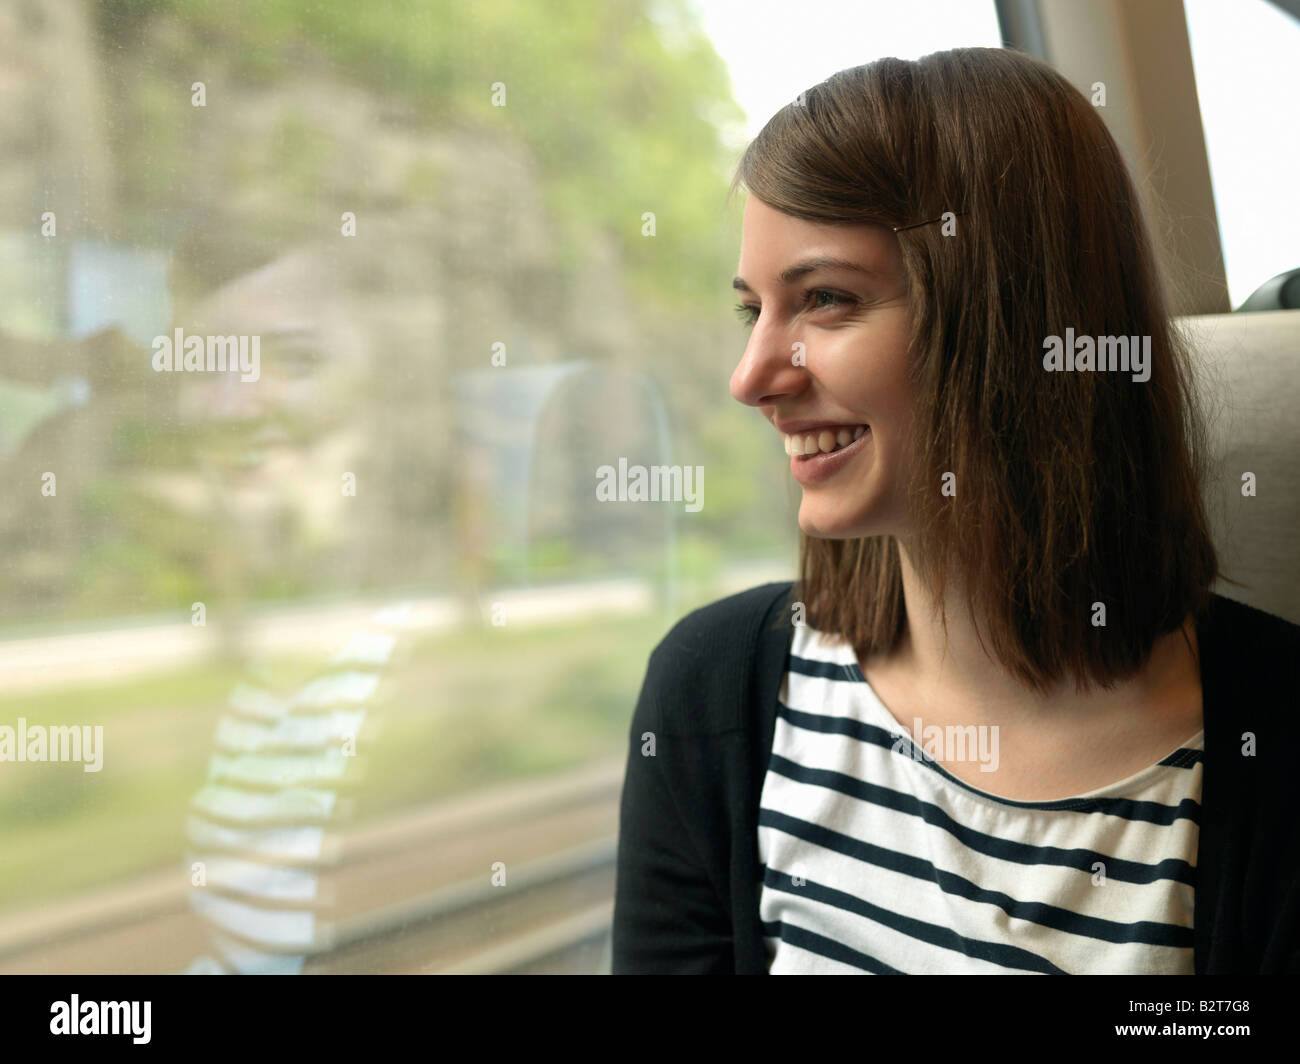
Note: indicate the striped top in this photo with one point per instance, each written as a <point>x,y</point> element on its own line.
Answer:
<point>876,859</point>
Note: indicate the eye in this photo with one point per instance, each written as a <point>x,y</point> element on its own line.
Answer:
<point>835,298</point>
<point>749,314</point>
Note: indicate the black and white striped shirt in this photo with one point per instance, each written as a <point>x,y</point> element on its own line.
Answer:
<point>876,859</point>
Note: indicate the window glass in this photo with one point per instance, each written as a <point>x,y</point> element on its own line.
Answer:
<point>332,339</point>
<point>1247,80</point>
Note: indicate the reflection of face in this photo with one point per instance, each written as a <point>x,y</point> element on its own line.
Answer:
<point>854,331</point>
<point>308,366</point>
<point>279,444</point>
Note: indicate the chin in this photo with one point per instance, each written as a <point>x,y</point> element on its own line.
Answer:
<point>822,522</point>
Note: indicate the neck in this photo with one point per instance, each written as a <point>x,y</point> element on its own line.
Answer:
<point>956,670</point>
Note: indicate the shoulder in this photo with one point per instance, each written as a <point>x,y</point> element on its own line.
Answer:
<point>1252,662</point>
<point>714,635</point>
<point>730,618</point>
<point>705,663</point>
<point>1255,620</point>
<point>1248,637</point>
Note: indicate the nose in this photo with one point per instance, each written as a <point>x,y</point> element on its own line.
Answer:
<point>770,368</point>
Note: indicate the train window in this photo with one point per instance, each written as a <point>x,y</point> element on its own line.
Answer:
<point>319,323</point>
<point>1246,82</point>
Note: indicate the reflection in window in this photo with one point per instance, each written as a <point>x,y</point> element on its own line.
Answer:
<point>361,635</point>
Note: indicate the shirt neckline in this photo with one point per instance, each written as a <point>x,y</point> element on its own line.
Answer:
<point>1122,788</point>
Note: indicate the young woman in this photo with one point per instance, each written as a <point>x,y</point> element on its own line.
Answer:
<point>1001,723</point>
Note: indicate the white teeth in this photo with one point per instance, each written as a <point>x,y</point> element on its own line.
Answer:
<point>822,442</point>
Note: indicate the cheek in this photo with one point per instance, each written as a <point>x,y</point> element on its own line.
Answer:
<point>891,372</point>
<point>894,404</point>
<point>871,376</point>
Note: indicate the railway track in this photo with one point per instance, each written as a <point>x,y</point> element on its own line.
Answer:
<point>421,891</point>
<point>548,910</point>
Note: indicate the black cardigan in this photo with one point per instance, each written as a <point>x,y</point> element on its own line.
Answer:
<point>688,874</point>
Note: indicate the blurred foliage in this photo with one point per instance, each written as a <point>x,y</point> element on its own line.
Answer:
<point>479,223</point>
<point>620,122</point>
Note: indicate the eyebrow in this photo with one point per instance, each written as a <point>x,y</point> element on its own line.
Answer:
<point>800,269</point>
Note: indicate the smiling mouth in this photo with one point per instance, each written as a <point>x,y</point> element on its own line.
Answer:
<point>824,441</point>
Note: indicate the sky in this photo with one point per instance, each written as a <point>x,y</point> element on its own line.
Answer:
<point>1244,53</point>
<point>777,48</point>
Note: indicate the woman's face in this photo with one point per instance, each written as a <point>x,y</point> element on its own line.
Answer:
<point>828,357</point>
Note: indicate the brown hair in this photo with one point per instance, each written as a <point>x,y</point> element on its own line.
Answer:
<point>1071,487</point>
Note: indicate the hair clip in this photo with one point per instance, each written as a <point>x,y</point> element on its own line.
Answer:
<point>917,225</point>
